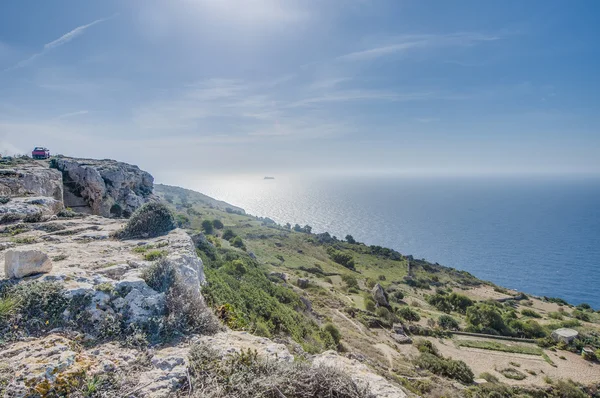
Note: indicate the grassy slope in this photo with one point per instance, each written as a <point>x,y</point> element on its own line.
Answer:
<point>331,299</point>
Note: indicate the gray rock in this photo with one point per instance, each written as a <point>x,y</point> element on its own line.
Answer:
<point>21,263</point>
<point>107,187</point>
<point>379,296</point>
<point>30,206</point>
<point>31,179</point>
<point>279,275</point>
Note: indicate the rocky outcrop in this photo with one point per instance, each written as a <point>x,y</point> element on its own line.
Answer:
<point>30,209</point>
<point>104,187</point>
<point>31,179</point>
<point>379,296</point>
<point>21,263</point>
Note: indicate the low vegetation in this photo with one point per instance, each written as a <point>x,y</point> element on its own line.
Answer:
<point>496,346</point>
<point>431,360</point>
<point>150,220</point>
<point>244,374</point>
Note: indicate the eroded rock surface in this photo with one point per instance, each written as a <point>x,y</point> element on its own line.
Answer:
<point>104,187</point>
<point>31,179</point>
<point>379,296</point>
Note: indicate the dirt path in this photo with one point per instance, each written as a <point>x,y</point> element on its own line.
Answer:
<point>387,351</point>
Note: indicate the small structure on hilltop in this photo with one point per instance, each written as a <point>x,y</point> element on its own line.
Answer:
<point>565,335</point>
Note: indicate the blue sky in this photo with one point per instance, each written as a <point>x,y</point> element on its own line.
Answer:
<point>266,86</point>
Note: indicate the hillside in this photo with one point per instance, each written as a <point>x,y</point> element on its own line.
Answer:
<point>212,302</point>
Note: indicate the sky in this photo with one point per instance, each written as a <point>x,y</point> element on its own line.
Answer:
<point>222,87</point>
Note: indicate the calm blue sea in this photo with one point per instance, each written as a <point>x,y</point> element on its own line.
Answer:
<point>538,235</point>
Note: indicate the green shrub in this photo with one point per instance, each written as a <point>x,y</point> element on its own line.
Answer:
<point>350,281</point>
<point>370,304</point>
<point>408,314</point>
<point>447,322</point>
<point>228,234</point>
<point>218,224</point>
<point>556,315</point>
<point>207,226</point>
<point>334,332</point>
<point>581,315</point>
<point>341,258</point>
<point>457,370</point>
<point>530,313</point>
<point>149,221</point>
<point>244,374</point>
<point>154,255</point>
<point>237,242</point>
<point>182,220</point>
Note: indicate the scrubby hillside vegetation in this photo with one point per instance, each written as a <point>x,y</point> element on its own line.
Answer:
<point>323,292</point>
<point>144,291</point>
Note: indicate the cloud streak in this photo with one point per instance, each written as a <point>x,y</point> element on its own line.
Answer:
<point>406,43</point>
<point>64,39</point>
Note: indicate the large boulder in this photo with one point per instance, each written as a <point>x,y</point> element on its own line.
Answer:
<point>104,187</point>
<point>21,263</point>
<point>32,179</point>
<point>379,296</point>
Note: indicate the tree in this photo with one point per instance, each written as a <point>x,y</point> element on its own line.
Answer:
<point>287,225</point>
<point>207,226</point>
<point>237,242</point>
<point>217,224</point>
<point>297,228</point>
<point>447,322</point>
<point>307,229</point>
<point>228,234</point>
<point>350,239</point>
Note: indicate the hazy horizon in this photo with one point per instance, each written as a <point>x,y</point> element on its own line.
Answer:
<point>305,87</point>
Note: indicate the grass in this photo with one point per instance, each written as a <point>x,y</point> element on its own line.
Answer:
<point>154,255</point>
<point>495,346</point>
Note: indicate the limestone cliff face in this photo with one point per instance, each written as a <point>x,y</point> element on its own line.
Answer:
<point>104,187</point>
<point>31,179</point>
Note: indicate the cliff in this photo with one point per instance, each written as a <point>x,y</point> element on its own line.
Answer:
<point>85,314</point>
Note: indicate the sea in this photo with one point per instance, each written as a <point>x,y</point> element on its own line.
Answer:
<point>539,235</point>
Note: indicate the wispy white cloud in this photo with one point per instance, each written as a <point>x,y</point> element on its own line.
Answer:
<point>67,37</point>
<point>408,43</point>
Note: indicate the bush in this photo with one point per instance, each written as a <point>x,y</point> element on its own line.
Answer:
<point>447,322</point>
<point>334,332</point>
<point>457,370</point>
<point>207,226</point>
<point>341,258</point>
<point>530,313</point>
<point>183,221</point>
<point>408,314</point>
<point>228,234</point>
<point>350,281</point>
<point>185,308</point>
<point>217,224</point>
<point>149,221</point>
<point>154,255</point>
<point>244,374</point>
<point>350,239</point>
<point>237,242</point>
<point>581,315</point>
